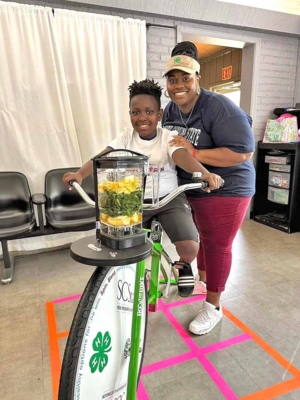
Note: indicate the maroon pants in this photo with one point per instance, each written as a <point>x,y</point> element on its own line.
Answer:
<point>218,220</point>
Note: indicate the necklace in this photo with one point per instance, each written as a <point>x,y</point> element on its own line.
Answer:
<point>190,114</point>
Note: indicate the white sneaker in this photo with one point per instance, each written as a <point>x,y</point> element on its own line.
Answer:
<point>199,287</point>
<point>206,320</point>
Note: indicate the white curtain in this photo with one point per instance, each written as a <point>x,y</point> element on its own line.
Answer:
<point>37,128</point>
<point>63,90</point>
<point>102,55</point>
<point>37,131</point>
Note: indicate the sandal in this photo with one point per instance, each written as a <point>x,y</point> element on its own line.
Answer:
<point>185,279</point>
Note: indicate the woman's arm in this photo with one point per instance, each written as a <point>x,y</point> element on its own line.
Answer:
<point>219,157</point>
<point>184,160</point>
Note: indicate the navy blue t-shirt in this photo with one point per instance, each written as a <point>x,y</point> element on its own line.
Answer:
<point>216,122</point>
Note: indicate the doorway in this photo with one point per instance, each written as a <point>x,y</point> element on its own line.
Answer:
<point>249,48</point>
<point>220,69</point>
<point>232,90</point>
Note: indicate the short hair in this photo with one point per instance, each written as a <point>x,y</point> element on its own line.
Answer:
<point>147,86</point>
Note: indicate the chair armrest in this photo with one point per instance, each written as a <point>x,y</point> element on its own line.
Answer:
<point>38,198</point>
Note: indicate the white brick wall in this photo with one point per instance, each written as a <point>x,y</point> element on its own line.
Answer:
<point>160,42</point>
<point>277,78</point>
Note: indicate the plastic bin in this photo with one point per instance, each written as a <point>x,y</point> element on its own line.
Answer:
<point>278,159</point>
<point>280,179</point>
<point>279,167</point>
<point>280,196</point>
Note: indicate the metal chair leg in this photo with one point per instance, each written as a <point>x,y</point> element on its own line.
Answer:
<point>9,264</point>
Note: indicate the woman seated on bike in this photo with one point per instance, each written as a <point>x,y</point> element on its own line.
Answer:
<point>147,138</point>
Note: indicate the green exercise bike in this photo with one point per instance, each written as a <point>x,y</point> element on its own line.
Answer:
<point>106,344</point>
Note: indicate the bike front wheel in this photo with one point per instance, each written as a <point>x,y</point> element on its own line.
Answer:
<point>96,359</point>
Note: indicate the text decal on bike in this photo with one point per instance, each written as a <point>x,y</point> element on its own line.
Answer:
<point>141,294</point>
<point>102,345</point>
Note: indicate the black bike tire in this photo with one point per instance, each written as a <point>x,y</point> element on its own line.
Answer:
<point>73,346</point>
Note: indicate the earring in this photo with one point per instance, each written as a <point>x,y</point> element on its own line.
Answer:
<point>198,90</point>
<point>167,94</point>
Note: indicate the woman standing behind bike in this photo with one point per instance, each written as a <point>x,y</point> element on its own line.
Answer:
<point>218,134</point>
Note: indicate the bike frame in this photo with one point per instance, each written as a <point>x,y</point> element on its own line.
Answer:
<point>158,251</point>
<point>139,293</point>
<point>153,295</point>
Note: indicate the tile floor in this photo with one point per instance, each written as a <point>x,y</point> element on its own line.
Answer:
<point>261,302</point>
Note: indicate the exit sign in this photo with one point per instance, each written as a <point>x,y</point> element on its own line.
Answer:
<point>226,73</point>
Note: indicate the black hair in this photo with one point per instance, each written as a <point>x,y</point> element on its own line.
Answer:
<point>185,49</point>
<point>147,86</point>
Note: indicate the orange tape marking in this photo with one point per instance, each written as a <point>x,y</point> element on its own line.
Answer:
<point>63,334</point>
<point>274,391</point>
<point>264,345</point>
<point>54,348</point>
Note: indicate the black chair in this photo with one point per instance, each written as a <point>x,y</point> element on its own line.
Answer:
<point>16,215</point>
<point>65,210</point>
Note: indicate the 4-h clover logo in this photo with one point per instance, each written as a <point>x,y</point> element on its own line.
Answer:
<point>101,344</point>
<point>177,60</point>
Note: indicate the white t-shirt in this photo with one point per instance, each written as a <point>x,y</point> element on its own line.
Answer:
<point>160,155</point>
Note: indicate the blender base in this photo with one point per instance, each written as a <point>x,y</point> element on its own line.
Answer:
<point>123,242</point>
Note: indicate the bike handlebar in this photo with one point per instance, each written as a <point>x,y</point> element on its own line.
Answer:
<point>174,193</point>
<point>82,193</point>
<point>153,206</point>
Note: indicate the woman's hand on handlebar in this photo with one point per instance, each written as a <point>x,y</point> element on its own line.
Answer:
<point>71,176</point>
<point>215,181</point>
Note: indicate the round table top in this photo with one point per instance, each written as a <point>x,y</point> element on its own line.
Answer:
<point>86,251</point>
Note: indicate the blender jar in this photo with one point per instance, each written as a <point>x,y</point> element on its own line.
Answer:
<point>120,178</point>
